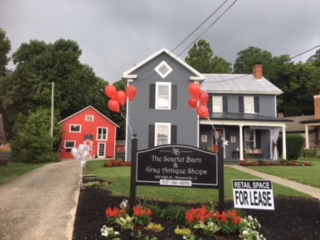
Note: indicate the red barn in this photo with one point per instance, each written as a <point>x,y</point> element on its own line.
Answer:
<point>92,128</point>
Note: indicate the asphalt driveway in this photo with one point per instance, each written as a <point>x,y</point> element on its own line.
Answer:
<point>41,204</point>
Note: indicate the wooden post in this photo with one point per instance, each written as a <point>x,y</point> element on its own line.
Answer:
<point>221,175</point>
<point>133,187</point>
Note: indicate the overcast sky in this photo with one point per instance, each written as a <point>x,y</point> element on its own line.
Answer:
<point>116,34</point>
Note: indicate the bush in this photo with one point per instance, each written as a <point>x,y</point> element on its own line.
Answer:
<point>295,144</point>
<point>310,153</point>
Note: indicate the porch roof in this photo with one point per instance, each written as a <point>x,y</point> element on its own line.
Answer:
<point>246,117</point>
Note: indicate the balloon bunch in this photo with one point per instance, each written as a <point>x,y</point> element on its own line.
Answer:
<point>118,98</point>
<point>199,100</point>
<point>81,154</point>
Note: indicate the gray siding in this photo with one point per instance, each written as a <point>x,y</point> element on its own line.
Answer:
<point>266,104</point>
<point>141,116</point>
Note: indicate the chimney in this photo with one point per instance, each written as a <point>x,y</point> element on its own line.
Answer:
<point>257,71</point>
<point>316,107</point>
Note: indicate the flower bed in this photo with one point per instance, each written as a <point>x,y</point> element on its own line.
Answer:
<point>117,163</point>
<point>247,163</point>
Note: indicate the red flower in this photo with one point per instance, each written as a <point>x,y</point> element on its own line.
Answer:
<point>198,214</point>
<point>115,212</point>
<point>140,211</point>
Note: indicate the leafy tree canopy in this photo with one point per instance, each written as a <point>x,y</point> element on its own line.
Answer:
<point>201,57</point>
<point>5,47</point>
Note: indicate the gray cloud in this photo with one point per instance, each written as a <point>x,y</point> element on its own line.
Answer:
<point>115,35</point>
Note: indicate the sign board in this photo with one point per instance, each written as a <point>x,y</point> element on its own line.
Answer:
<point>253,194</point>
<point>177,166</point>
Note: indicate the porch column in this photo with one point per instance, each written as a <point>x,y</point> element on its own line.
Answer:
<point>306,129</point>
<point>284,143</point>
<point>241,143</point>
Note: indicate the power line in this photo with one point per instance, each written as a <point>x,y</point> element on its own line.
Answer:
<point>208,27</point>
<point>199,25</point>
<point>305,52</point>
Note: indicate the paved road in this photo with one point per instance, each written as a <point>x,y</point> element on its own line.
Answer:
<point>41,204</point>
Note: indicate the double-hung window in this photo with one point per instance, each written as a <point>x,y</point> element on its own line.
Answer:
<point>162,133</point>
<point>249,138</point>
<point>163,95</point>
<point>102,133</point>
<point>217,104</point>
<point>248,104</point>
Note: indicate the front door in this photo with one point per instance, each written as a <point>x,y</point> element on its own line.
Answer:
<point>101,150</point>
<point>89,144</point>
<point>220,132</point>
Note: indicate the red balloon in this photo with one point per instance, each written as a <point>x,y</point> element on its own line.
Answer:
<point>203,111</point>
<point>114,105</point>
<point>110,91</point>
<point>121,97</point>
<point>194,90</point>
<point>204,97</point>
<point>131,92</point>
<point>193,102</point>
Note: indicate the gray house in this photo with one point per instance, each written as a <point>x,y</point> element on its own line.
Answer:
<point>242,109</point>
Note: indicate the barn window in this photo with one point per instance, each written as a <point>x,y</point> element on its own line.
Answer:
<point>76,128</point>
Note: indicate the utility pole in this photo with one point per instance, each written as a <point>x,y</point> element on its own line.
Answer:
<point>52,108</point>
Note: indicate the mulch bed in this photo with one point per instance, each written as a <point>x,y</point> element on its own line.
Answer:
<point>293,218</point>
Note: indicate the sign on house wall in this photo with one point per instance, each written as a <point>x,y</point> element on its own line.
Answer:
<point>177,165</point>
<point>253,194</point>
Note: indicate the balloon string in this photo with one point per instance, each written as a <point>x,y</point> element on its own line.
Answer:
<point>215,132</point>
<point>122,115</point>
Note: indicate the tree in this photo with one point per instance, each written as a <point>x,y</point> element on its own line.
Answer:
<point>249,57</point>
<point>201,57</point>
<point>38,64</point>
<point>5,47</point>
<point>33,143</point>
<point>315,59</point>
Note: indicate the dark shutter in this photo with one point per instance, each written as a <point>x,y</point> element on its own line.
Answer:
<point>210,105</point>
<point>151,136</point>
<point>241,104</point>
<point>174,97</point>
<point>225,104</point>
<point>256,104</point>
<point>152,96</point>
<point>173,134</point>
<point>258,138</point>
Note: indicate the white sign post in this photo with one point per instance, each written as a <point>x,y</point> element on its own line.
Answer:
<point>253,194</point>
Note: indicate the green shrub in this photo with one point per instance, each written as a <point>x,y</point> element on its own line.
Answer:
<point>295,144</point>
<point>310,153</point>
<point>175,213</point>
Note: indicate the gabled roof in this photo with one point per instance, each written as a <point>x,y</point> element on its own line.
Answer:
<point>83,110</point>
<point>238,83</point>
<point>129,73</point>
<point>297,126</point>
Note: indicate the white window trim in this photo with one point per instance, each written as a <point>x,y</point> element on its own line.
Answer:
<point>251,98</point>
<point>107,134</point>
<point>254,137</point>
<point>156,132</point>
<point>169,95</point>
<point>157,69</point>
<point>215,101</point>
<point>65,144</point>
<point>80,127</point>
<point>89,118</point>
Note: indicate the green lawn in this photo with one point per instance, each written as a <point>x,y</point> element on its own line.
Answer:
<point>15,170</point>
<point>304,175</point>
<point>120,186</point>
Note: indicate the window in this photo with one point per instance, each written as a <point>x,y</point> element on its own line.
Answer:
<point>249,138</point>
<point>163,95</point>
<point>89,118</point>
<point>162,133</point>
<point>102,133</point>
<point>75,128</point>
<point>248,104</point>
<point>69,144</point>
<point>163,69</point>
<point>217,104</point>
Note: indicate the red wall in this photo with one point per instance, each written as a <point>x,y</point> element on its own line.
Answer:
<point>88,127</point>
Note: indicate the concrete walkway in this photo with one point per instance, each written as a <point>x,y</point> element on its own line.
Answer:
<point>312,191</point>
<point>41,204</point>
